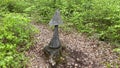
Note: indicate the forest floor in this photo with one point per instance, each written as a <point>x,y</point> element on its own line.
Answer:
<point>82,52</point>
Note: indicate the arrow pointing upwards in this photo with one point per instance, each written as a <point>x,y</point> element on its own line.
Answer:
<point>56,20</point>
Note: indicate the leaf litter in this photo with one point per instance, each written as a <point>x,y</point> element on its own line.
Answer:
<point>82,52</point>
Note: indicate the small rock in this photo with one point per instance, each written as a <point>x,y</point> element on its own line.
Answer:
<point>78,59</point>
<point>72,63</point>
<point>68,63</point>
<point>76,65</point>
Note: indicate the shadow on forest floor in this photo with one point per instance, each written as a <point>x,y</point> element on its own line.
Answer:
<point>82,51</point>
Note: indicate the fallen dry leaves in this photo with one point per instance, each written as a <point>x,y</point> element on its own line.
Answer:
<point>82,52</point>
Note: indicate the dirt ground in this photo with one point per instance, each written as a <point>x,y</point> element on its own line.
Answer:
<point>81,51</point>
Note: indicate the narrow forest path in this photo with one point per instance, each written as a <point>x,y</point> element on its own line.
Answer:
<point>82,52</point>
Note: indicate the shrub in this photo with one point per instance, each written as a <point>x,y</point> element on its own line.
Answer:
<point>15,37</point>
<point>87,16</point>
<point>13,6</point>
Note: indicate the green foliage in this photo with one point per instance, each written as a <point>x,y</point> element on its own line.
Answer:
<point>15,37</point>
<point>100,17</point>
<point>17,6</point>
<point>88,16</point>
<point>117,50</point>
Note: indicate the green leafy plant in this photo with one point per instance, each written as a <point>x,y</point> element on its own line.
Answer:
<point>87,16</point>
<point>16,34</point>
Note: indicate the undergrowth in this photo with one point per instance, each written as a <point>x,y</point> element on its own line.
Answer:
<point>94,17</point>
<point>16,36</point>
<point>101,17</point>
